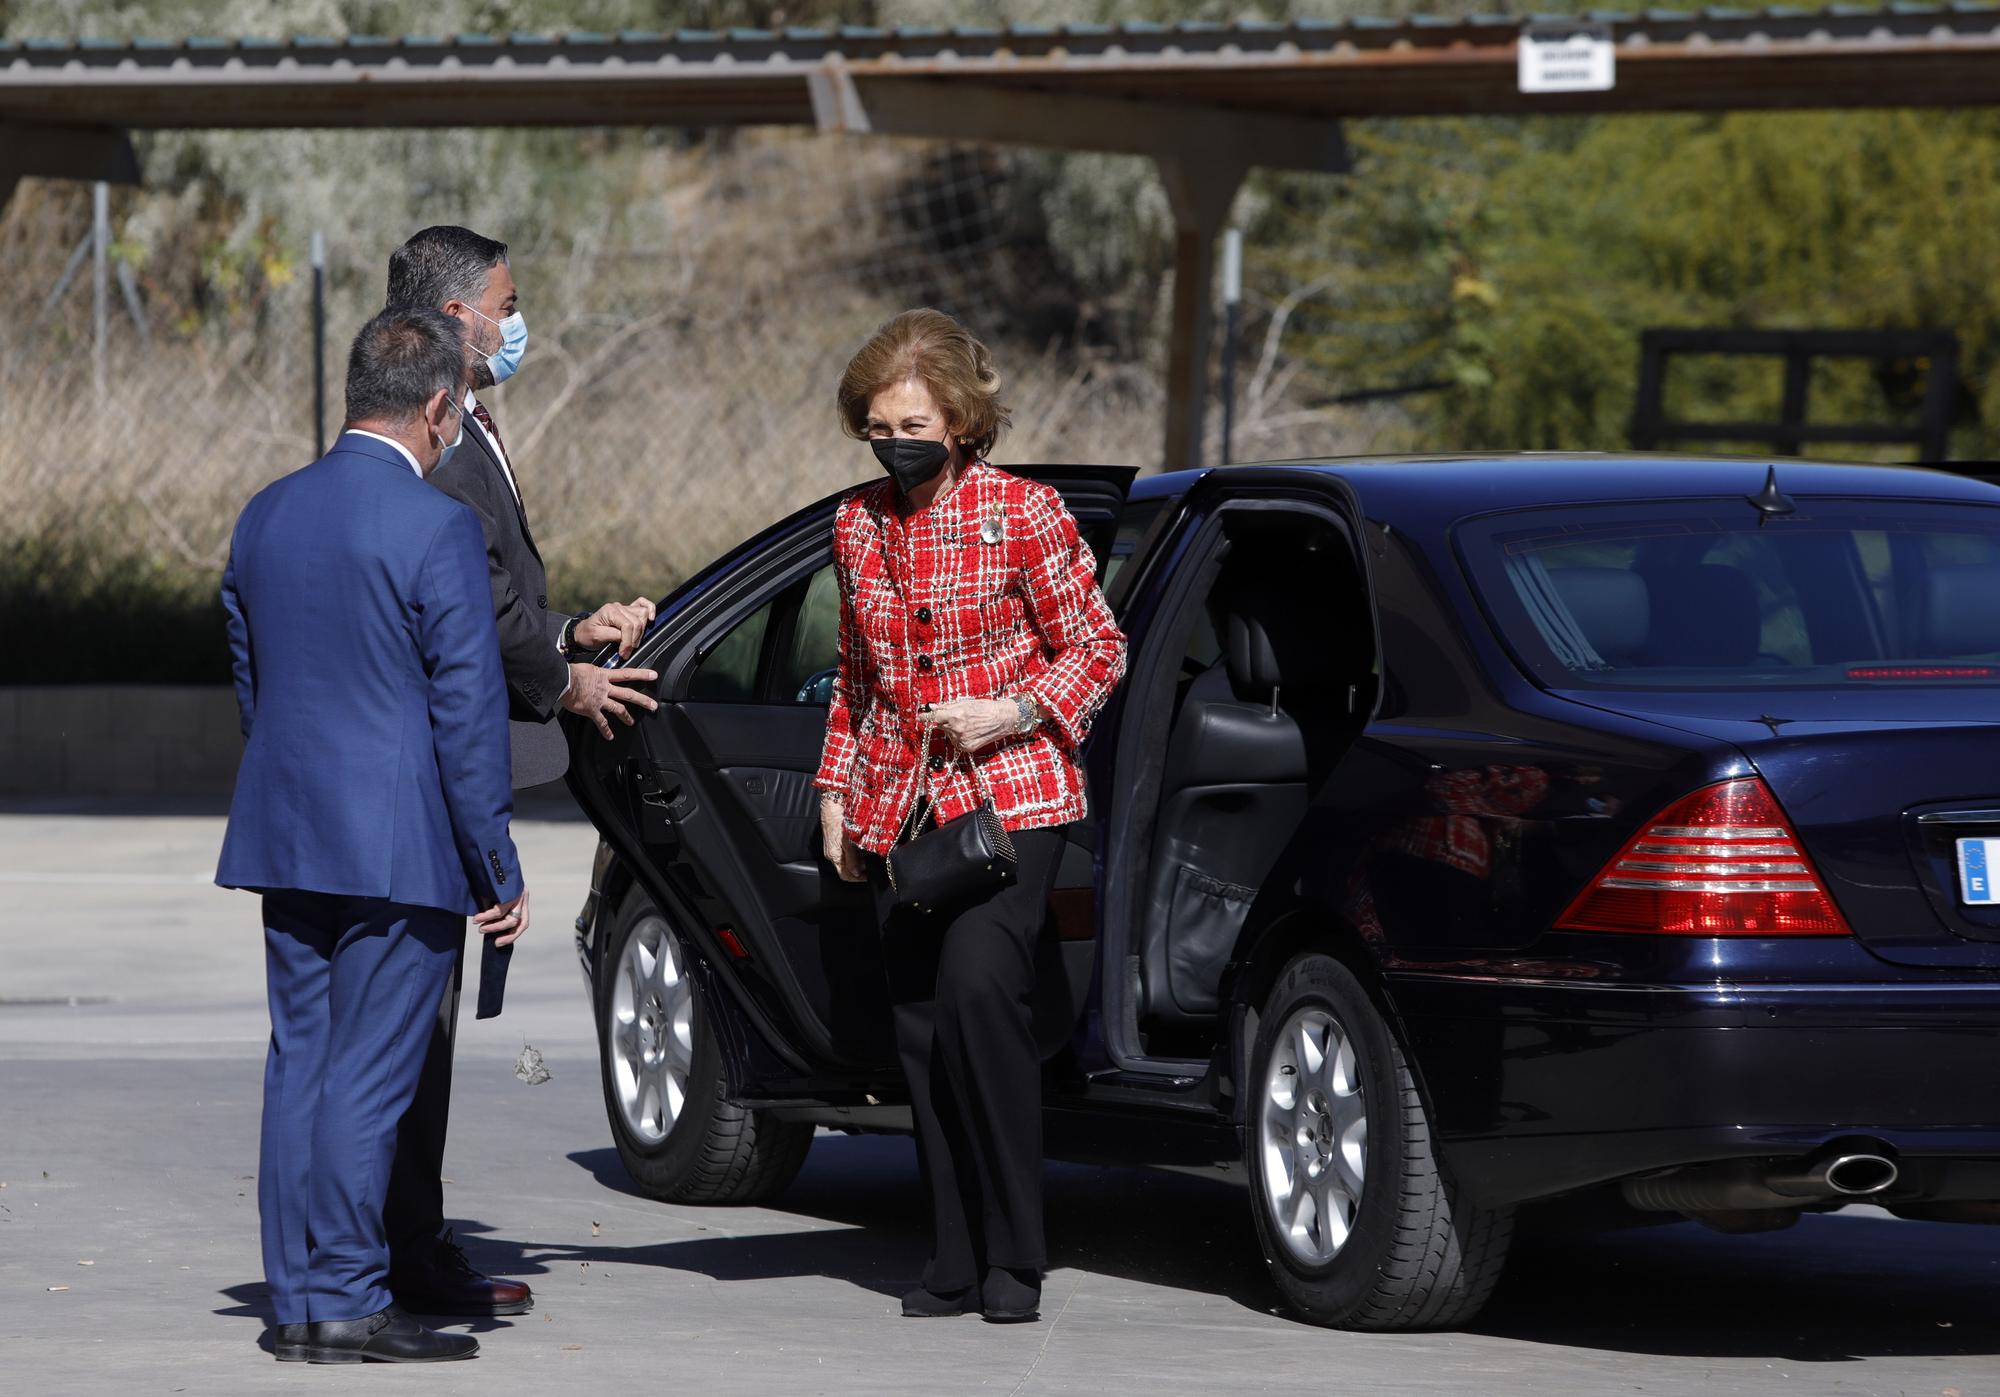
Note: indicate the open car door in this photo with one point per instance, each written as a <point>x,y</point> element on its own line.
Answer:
<point>710,799</point>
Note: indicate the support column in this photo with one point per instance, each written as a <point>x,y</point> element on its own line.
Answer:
<point>1200,189</point>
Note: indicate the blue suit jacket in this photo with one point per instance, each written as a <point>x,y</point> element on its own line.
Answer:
<point>368,672</point>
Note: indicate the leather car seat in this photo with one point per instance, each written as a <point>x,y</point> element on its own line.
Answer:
<point>1611,606</point>
<point>1960,617</point>
<point>1233,789</point>
<point>1704,617</point>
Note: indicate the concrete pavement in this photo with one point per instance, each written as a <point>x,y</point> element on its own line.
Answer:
<point>131,1037</point>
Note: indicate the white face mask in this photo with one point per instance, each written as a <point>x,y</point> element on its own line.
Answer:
<point>503,362</point>
<point>452,445</point>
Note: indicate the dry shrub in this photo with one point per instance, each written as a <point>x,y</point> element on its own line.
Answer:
<point>678,393</point>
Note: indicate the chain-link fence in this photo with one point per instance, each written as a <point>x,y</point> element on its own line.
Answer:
<point>678,390</point>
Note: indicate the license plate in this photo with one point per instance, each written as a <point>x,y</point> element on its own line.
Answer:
<point>1978,863</point>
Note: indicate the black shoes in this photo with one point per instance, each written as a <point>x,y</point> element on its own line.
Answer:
<point>288,1343</point>
<point>924,1303</point>
<point>388,1337</point>
<point>432,1277</point>
<point>1006,1297</point>
<point>1010,1297</point>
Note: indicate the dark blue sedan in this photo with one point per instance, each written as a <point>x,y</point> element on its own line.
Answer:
<point>1468,832</point>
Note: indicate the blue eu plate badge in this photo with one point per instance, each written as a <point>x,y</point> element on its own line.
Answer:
<point>1977,860</point>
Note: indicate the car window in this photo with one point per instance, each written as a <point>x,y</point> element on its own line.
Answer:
<point>813,649</point>
<point>728,672</point>
<point>1138,529</point>
<point>1698,597</point>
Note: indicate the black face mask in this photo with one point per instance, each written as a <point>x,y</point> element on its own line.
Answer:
<point>910,461</point>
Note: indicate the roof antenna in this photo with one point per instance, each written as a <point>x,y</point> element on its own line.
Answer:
<point>1771,501</point>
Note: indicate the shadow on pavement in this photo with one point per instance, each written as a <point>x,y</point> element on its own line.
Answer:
<point>253,1301</point>
<point>1179,1231</point>
<point>1835,1288</point>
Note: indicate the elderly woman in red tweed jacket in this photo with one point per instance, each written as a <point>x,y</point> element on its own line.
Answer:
<point>975,648</point>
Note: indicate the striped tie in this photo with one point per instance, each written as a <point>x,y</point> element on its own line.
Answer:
<point>487,421</point>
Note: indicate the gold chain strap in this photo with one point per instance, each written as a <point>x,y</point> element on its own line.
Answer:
<point>929,791</point>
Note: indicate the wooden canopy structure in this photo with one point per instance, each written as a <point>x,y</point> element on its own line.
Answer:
<point>1206,102</point>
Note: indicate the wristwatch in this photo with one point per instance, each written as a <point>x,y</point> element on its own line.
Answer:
<point>566,638</point>
<point>1031,714</point>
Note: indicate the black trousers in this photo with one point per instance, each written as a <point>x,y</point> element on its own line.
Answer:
<point>414,1210</point>
<point>961,987</point>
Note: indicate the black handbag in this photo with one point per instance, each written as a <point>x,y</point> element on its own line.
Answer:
<point>957,861</point>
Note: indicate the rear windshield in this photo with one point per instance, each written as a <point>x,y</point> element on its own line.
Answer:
<point>1717,596</point>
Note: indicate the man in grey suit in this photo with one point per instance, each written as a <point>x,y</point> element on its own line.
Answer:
<point>466,276</point>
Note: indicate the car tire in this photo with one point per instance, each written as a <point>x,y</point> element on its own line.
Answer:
<point>680,1137</point>
<point>1359,1224</point>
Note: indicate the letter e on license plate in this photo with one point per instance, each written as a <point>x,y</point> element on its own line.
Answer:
<point>1978,861</point>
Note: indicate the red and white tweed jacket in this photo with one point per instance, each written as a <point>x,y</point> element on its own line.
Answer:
<point>930,611</point>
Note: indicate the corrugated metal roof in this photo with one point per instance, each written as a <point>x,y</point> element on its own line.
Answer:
<point>1076,39</point>
<point>1837,56</point>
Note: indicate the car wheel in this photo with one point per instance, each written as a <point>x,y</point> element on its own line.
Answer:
<point>680,1137</point>
<point>1360,1226</point>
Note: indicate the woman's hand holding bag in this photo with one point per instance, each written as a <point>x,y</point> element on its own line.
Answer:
<point>975,724</point>
<point>970,855</point>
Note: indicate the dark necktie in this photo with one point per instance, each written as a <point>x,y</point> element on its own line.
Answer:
<point>485,420</point>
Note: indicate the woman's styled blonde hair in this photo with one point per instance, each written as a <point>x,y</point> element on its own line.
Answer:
<point>958,370</point>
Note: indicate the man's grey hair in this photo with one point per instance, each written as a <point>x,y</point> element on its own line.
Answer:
<point>441,264</point>
<point>400,361</point>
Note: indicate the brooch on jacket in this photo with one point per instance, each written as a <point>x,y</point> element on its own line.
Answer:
<point>993,527</point>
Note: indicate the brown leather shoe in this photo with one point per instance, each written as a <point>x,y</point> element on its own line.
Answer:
<point>432,1277</point>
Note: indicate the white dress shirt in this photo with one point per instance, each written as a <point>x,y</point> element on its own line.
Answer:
<point>472,424</point>
<point>499,452</point>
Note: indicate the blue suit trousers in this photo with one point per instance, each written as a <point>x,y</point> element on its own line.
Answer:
<point>354,986</point>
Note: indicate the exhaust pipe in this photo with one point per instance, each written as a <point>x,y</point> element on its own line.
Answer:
<point>1831,1175</point>
<point>1746,1185</point>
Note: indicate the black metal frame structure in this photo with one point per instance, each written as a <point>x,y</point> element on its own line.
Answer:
<point>1935,350</point>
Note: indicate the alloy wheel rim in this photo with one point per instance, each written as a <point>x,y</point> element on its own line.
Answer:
<point>649,1030</point>
<point>1313,1136</point>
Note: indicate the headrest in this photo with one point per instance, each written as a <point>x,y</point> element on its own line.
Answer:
<point>1963,610</point>
<point>1705,617</point>
<point>1279,639</point>
<point>1610,607</point>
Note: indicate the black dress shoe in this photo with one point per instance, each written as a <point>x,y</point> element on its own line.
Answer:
<point>925,1303</point>
<point>288,1343</point>
<point>1010,1297</point>
<point>388,1337</point>
<point>432,1277</point>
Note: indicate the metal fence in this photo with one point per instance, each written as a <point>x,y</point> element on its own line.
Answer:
<point>678,389</point>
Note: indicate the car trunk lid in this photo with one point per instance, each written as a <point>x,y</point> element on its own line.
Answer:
<point>1881,784</point>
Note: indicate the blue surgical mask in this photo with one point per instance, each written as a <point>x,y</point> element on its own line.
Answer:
<point>452,445</point>
<point>502,362</point>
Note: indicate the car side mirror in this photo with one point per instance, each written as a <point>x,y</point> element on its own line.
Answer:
<point>818,688</point>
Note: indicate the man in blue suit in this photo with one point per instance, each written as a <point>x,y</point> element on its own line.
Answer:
<point>371,811</point>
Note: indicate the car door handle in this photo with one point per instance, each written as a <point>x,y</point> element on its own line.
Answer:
<point>671,801</point>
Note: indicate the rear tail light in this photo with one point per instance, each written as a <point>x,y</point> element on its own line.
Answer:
<point>1720,862</point>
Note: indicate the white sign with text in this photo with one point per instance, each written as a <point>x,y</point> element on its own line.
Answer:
<point>1573,58</point>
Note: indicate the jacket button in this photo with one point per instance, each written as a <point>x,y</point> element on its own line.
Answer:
<point>543,601</point>
<point>924,614</point>
<point>937,763</point>
<point>923,662</point>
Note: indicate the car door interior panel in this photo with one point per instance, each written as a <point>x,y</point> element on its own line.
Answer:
<point>727,809</point>
<point>1276,649</point>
